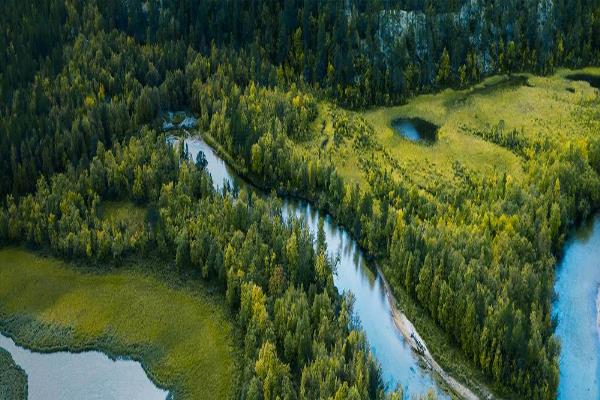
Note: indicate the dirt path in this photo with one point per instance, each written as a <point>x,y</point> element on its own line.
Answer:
<point>418,345</point>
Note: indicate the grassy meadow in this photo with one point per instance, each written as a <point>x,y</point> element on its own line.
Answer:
<point>180,333</point>
<point>551,107</point>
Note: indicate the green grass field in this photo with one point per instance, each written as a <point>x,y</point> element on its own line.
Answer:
<point>182,334</point>
<point>13,380</point>
<point>537,107</point>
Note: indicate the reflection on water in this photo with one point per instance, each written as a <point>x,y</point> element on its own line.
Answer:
<point>398,361</point>
<point>416,129</point>
<point>577,280</point>
<point>75,376</point>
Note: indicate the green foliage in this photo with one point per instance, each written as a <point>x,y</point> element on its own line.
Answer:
<point>262,264</point>
<point>13,380</point>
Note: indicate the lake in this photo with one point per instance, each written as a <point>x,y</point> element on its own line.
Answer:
<point>593,80</point>
<point>75,376</point>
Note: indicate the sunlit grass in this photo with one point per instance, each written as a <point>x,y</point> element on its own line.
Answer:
<point>540,108</point>
<point>182,335</point>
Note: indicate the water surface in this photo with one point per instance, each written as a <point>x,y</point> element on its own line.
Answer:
<point>576,286</point>
<point>398,361</point>
<point>76,376</point>
<point>416,129</point>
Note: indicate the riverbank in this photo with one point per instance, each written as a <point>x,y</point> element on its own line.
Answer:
<point>419,346</point>
<point>13,380</point>
<point>401,321</point>
<point>181,334</point>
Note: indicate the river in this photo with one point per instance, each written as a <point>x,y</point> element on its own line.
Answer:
<point>400,365</point>
<point>577,281</point>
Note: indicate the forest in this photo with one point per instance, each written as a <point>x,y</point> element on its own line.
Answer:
<point>83,85</point>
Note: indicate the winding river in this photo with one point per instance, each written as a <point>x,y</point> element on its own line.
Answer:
<point>576,308</point>
<point>400,364</point>
<point>92,375</point>
<point>75,376</point>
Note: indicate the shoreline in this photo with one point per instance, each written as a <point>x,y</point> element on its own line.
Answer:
<point>418,345</point>
<point>28,331</point>
<point>401,321</point>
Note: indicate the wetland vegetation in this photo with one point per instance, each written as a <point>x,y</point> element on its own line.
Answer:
<point>180,333</point>
<point>13,380</point>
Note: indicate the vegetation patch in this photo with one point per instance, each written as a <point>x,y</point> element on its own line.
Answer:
<point>181,335</point>
<point>124,213</point>
<point>13,380</point>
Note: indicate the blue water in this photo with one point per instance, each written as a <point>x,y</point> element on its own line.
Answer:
<point>398,361</point>
<point>408,130</point>
<point>76,376</point>
<point>577,281</point>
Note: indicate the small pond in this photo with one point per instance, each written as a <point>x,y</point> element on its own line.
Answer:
<point>593,80</point>
<point>75,376</point>
<point>416,129</point>
<point>576,287</point>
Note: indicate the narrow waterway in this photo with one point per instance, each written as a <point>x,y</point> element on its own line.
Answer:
<point>576,308</point>
<point>75,376</point>
<point>400,365</point>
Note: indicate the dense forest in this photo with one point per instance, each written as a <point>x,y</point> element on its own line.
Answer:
<point>82,85</point>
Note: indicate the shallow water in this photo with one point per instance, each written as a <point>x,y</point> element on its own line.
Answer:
<point>415,129</point>
<point>75,376</point>
<point>577,280</point>
<point>399,363</point>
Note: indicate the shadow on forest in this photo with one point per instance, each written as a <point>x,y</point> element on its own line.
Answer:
<point>593,80</point>
<point>485,89</point>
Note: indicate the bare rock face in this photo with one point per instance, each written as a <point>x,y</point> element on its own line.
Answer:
<point>397,25</point>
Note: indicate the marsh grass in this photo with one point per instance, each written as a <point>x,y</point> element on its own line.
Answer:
<point>180,332</point>
<point>13,380</point>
